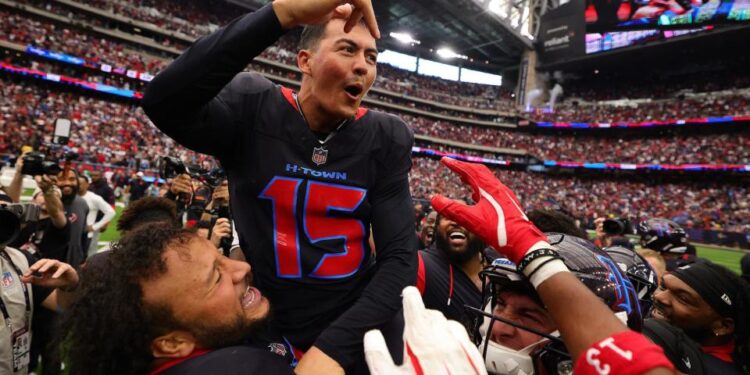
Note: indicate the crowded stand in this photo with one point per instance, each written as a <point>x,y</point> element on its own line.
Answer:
<point>22,30</point>
<point>689,108</point>
<point>216,222</point>
<point>702,205</point>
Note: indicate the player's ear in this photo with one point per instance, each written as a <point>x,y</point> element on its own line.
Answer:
<point>175,344</point>
<point>303,61</point>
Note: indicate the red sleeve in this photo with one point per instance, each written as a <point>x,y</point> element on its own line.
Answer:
<point>420,274</point>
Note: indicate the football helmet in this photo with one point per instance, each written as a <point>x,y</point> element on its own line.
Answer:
<point>592,266</point>
<point>663,235</point>
<point>640,273</point>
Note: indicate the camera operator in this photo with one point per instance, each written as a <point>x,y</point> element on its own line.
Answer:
<point>48,237</point>
<point>76,209</point>
<point>612,231</point>
<point>217,212</point>
<point>18,301</point>
<point>181,192</point>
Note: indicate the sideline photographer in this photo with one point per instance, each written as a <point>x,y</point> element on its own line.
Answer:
<point>215,213</point>
<point>50,281</point>
<point>612,232</point>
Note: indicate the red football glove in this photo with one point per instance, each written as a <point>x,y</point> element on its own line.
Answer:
<point>496,218</point>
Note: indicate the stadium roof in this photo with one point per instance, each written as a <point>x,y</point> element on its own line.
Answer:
<point>465,26</point>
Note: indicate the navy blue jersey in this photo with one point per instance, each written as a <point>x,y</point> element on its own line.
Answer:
<point>303,209</point>
<point>445,287</point>
<point>239,360</point>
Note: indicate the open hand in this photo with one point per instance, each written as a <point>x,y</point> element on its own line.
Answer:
<point>51,273</point>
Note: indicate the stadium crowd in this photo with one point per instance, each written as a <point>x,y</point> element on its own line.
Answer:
<point>714,206</point>
<point>222,272</point>
<point>43,34</point>
<point>673,109</point>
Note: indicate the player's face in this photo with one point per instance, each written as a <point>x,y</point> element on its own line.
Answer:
<point>521,309</point>
<point>343,67</point>
<point>208,293</point>
<point>457,242</point>
<point>96,175</point>
<point>683,307</point>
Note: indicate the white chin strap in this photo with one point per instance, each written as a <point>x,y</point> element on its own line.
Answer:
<point>501,360</point>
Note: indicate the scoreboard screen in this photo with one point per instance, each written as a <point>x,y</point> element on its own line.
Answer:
<point>610,15</point>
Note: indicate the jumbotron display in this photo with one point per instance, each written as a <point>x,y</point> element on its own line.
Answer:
<point>605,15</point>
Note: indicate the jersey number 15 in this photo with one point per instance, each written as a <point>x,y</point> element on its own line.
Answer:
<point>320,200</point>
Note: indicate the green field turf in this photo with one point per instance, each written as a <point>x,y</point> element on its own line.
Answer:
<point>111,234</point>
<point>729,258</point>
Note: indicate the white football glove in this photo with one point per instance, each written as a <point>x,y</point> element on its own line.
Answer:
<point>432,344</point>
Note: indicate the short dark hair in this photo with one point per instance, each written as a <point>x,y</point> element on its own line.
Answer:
<point>109,328</point>
<point>148,210</point>
<point>311,36</point>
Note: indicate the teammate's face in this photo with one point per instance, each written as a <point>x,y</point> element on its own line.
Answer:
<point>342,68</point>
<point>683,307</point>
<point>459,244</point>
<point>521,309</point>
<point>428,229</point>
<point>208,293</point>
<point>96,175</point>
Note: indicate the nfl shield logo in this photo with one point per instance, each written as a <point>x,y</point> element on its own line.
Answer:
<point>7,279</point>
<point>319,156</point>
<point>277,348</point>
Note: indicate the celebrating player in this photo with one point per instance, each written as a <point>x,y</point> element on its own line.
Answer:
<point>309,172</point>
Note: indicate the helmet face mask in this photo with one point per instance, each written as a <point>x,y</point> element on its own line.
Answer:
<point>639,271</point>
<point>590,265</point>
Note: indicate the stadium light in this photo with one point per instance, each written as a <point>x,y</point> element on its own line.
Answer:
<point>448,53</point>
<point>404,38</point>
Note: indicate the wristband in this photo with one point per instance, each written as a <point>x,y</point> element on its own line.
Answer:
<point>536,254</point>
<point>540,264</point>
<point>626,352</point>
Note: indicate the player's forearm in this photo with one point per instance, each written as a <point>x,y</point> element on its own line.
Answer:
<point>584,321</point>
<point>377,306</point>
<point>198,75</point>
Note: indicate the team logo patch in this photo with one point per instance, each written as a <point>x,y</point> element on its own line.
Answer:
<point>73,217</point>
<point>319,156</point>
<point>277,348</point>
<point>7,279</point>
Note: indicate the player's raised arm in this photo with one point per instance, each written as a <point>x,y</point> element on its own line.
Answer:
<point>592,333</point>
<point>186,100</point>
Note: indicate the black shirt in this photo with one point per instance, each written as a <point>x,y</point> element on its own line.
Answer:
<point>239,360</point>
<point>102,189</point>
<point>43,240</point>
<point>446,287</point>
<point>137,189</point>
<point>303,211</point>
